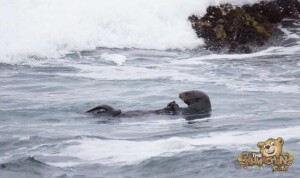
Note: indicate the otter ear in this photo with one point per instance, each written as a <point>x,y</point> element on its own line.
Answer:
<point>260,144</point>
<point>280,140</point>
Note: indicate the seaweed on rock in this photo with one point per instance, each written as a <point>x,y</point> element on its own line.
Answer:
<point>236,29</point>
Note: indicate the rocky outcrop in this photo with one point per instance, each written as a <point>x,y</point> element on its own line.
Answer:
<point>236,29</point>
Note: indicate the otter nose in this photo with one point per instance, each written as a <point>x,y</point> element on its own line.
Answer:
<point>267,146</point>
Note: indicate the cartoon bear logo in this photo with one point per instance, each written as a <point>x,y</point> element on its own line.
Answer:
<point>271,147</point>
<point>270,153</point>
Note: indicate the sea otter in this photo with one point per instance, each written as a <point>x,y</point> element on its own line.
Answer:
<point>198,102</point>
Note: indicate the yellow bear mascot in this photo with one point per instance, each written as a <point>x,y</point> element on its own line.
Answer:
<point>271,147</point>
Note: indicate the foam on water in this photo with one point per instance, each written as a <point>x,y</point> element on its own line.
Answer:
<point>131,73</point>
<point>51,28</point>
<point>125,152</point>
<point>270,88</point>
<point>115,58</point>
<point>267,52</point>
<point>288,33</point>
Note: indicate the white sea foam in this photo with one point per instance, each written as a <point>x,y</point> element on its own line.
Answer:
<point>287,111</point>
<point>267,52</point>
<point>50,28</point>
<point>115,58</point>
<point>124,152</point>
<point>288,33</point>
<point>270,88</point>
<point>132,73</point>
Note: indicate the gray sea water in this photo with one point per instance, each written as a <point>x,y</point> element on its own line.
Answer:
<point>45,132</point>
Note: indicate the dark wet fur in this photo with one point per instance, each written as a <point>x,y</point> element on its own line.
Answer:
<point>198,102</point>
<point>106,110</point>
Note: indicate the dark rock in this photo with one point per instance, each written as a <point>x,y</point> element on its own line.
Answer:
<point>290,8</point>
<point>235,28</point>
<point>271,11</point>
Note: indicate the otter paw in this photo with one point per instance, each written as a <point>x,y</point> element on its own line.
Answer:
<point>173,106</point>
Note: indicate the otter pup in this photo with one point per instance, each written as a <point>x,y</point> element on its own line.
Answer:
<point>198,102</point>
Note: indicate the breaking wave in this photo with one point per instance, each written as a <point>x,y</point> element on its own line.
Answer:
<point>51,28</point>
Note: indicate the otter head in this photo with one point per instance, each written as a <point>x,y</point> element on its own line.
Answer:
<point>195,96</point>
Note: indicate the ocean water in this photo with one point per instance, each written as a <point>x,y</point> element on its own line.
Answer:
<point>61,58</point>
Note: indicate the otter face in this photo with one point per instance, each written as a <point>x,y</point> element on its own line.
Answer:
<point>194,96</point>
